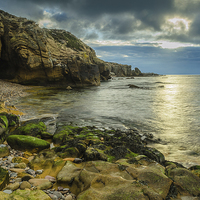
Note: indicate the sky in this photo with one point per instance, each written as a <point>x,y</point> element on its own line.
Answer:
<point>160,36</point>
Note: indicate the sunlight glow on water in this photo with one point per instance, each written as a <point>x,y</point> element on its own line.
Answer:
<point>167,106</point>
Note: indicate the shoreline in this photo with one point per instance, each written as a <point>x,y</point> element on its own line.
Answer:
<point>111,156</point>
<point>11,91</point>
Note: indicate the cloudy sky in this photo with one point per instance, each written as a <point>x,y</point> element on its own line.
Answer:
<point>160,36</point>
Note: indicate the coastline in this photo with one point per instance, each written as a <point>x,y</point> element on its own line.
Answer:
<point>111,156</point>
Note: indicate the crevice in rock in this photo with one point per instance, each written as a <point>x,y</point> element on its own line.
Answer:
<point>173,192</point>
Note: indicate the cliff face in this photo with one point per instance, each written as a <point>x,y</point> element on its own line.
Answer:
<point>31,55</point>
<point>119,69</point>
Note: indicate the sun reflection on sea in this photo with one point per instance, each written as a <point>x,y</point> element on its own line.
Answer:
<point>171,109</point>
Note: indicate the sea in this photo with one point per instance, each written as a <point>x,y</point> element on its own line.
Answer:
<point>166,106</point>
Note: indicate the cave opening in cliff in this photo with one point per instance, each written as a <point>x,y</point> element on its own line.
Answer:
<point>8,62</point>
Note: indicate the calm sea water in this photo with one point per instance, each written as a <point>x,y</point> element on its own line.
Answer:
<point>167,106</point>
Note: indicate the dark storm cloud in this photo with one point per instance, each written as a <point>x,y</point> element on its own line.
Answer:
<point>150,13</point>
<point>92,36</point>
<point>195,27</point>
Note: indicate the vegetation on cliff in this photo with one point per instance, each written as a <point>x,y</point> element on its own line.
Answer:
<point>32,55</point>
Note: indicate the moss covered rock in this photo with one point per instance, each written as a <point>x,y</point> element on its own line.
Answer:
<point>32,128</point>
<point>27,143</point>
<point>66,133</point>
<point>4,151</point>
<point>72,149</point>
<point>185,180</point>
<point>195,170</point>
<point>92,154</point>
<point>112,188</point>
<point>26,195</point>
<point>19,159</point>
<point>7,121</point>
<point>4,178</point>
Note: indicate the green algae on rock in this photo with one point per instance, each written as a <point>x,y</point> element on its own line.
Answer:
<point>4,151</point>
<point>195,170</point>
<point>7,121</point>
<point>27,143</point>
<point>4,178</point>
<point>35,129</point>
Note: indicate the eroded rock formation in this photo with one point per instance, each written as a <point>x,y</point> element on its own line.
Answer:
<point>32,55</point>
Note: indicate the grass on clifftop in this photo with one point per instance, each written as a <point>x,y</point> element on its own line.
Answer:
<point>71,41</point>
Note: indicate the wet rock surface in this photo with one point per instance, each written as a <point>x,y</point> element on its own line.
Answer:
<point>89,163</point>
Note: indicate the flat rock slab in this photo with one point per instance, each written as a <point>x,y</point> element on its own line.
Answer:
<point>23,194</point>
<point>36,182</point>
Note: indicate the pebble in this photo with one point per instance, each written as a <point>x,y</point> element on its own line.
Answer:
<point>10,158</point>
<point>50,178</point>
<point>53,197</point>
<point>13,186</point>
<point>68,197</point>
<point>30,171</point>
<point>25,185</point>
<point>7,191</point>
<point>13,175</point>
<point>39,171</point>
<point>58,194</point>
<point>77,160</point>
<point>26,178</point>
<point>22,183</point>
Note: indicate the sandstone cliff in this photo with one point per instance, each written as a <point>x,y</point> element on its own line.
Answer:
<point>32,55</point>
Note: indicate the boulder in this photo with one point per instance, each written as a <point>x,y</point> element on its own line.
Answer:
<point>41,184</point>
<point>20,160</point>
<point>27,143</point>
<point>185,181</point>
<point>195,170</point>
<point>32,128</point>
<point>25,185</point>
<point>104,180</point>
<point>49,162</point>
<point>13,186</point>
<point>4,151</point>
<point>93,154</point>
<point>7,121</point>
<point>20,165</point>
<point>68,173</point>
<point>133,86</point>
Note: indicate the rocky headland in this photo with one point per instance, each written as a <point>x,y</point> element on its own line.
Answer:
<point>38,56</point>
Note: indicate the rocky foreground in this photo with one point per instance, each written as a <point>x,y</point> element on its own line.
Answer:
<point>43,161</point>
